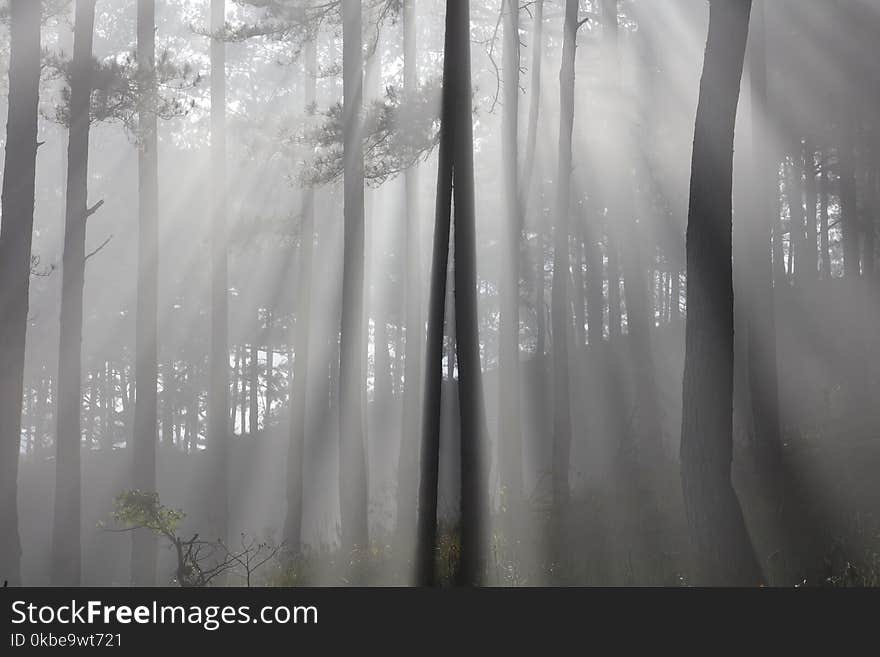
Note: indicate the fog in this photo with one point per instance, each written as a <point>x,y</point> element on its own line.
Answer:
<point>313,218</point>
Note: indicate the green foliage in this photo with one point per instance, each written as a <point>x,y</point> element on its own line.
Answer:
<point>399,131</point>
<point>138,509</point>
<point>119,85</point>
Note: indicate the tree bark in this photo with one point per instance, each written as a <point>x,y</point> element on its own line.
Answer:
<point>426,537</point>
<point>722,547</point>
<point>474,491</point>
<point>16,232</point>
<point>66,557</point>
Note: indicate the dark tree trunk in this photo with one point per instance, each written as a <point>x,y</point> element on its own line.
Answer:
<point>299,391</point>
<point>407,469</point>
<point>456,162</point>
<point>352,449</point>
<point>509,431</point>
<point>559,302</point>
<point>218,368</point>
<point>722,547</point>
<point>426,536</point>
<point>474,491</point>
<point>19,171</point>
<point>144,543</point>
<point>66,558</point>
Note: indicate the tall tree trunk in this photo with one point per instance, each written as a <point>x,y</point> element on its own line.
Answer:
<point>352,449</point>
<point>474,491</point>
<point>455,163</point>
<point>509,425</point>
<point>218,368</point>
<point>407,472</point>
<point>144,542</point>
<point>299,391</point>
<point>559,300</point>
<point>722,547</point>
<point>66,558</point>
<point>16,233</point>
<point>760,292</point>
<point>426,537</point>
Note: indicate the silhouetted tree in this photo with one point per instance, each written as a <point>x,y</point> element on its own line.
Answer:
<point>722,547</point>
<point>16,231</point>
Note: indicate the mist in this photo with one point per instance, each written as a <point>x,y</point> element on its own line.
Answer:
<point>414,292</point>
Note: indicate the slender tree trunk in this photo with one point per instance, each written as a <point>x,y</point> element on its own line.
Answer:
<point>66,566</point>
<point>16,231</point>
<point>722,547</point>
<point>426,538</point>
<point>559,304</point>
<point>299,391</point>
<point>407,470</point>
<point>474,490</point>
<point>218,368</point>
<point>352,449</point>
<point>144,542</point>
<point>509,425</point>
